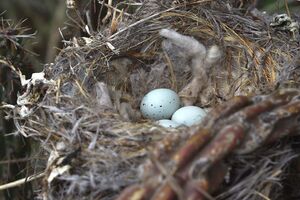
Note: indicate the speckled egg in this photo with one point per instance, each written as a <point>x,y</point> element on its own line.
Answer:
<point>189,115</point>
<point>160,104</point>
<point>168,123</point>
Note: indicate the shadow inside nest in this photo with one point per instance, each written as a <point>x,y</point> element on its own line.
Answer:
<point>84,109</point>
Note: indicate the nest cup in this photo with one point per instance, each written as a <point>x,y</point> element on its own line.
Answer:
<point>88,118</point>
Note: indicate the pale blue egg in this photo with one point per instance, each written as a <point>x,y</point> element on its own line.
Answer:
<point>168,123</point>
<point>189,115</point>
<point>160,104</point>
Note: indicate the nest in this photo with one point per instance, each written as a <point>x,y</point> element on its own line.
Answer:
<point>85,110</point>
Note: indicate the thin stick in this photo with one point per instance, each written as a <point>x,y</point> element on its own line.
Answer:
<point>287,8</point>
<point>108,14</point>
<point>115,9</point>
<point>152,16</point>
<point>21,181</point>
<point>58,91</point>
<point>140,21</point>
<point>263,196</point>
<point>2,162</point>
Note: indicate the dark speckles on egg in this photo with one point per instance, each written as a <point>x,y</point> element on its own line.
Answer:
<point>160,104</point>
<point>168,123</point>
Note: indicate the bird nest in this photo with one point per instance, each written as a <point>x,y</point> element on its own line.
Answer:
<point>84,107</point>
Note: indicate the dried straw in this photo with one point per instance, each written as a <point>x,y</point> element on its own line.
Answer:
<point>95,148</point>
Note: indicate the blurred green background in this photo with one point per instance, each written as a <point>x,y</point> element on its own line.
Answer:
<point>44,19</point>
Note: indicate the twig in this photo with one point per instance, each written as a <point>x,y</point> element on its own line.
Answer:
<point>115,9</point>
<point>287,8</point>
<point>21,181</point>
<point>16,160</point>
<point>152,16</point>
<point>8,64</point>
<point>108,14</point>
<point>139,22</point>
<point>262,196</point>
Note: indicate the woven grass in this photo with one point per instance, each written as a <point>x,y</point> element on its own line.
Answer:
<point>87,117</point>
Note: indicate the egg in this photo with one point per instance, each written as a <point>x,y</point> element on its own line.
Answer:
<point>189,115</point>
<point>160,104</point>
<point>168,123</point>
